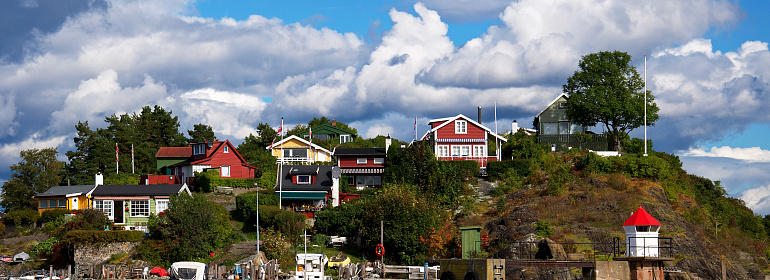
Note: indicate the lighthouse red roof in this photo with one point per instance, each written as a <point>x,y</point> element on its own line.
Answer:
<point>641,218</point>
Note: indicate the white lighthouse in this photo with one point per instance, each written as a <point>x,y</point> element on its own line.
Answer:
<point>641,234</point>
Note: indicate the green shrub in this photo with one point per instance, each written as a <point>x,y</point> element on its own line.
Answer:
<point>101,236</point>
<point>287,223</point>
<point>157,252</point>
<point>21,217</point>
<point>649,167</point>
<point>52,215</point>
<point>122,178</point>
<point>208,180</point>
<point>497,169</point>
<point>245,204</point>
<point>44,248</point>
<point>543,229</point>
<point>268,179</point>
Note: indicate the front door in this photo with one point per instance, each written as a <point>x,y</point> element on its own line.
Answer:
<point>118,212</point>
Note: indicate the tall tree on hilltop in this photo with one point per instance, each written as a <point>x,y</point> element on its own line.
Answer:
<point>608,90</point>
<point>201,133</point>
<point>93,149</point>
<point>37,171</point>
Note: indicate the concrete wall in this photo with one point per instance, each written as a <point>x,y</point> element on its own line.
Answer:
<point>608,270</point>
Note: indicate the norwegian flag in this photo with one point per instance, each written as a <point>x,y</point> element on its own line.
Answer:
<point>280,128</point>
<point>116,152</point>
<point>311,133</point>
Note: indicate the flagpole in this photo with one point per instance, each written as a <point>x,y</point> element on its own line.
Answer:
<point>132,159</point>
<point>280,170</point>
<point>645,105</point>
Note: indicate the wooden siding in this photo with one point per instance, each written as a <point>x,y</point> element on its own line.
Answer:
<point>553,113</point>
<point>237,170</point>
<point>352,162</point>
<point>82,203</point>
<point>448,132</point>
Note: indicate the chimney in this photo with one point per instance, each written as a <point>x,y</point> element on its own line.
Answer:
<point>388,141</point>
<point>479,114</point>
<point>334,123</point>
<point>99,179</point>
<point>514,127</point>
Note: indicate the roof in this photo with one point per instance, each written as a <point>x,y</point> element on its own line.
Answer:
<point>182,152</point>
<point>326,129</point>
<point>641,218</point>
<point>323,179</point>
<point>359,152</point>
<point>138,190</point>
<point>278,144</point>
<point>59,191</point>
<point>554,101</point>
<point>212,152</point>
<point>447,121</point>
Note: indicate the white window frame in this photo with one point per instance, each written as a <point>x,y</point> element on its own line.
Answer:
<point>379,160</point>
<point>479,150</point>
<point>224,171</point>
<point>199,149</point>
<point>161,205</point>
<point>139,208</point>
<point>361,160</point>
<point>443,151</point>
<point>344,138</point>
<point>100,205</point>
<point>461,150</point>
<point>226,149</point>
<point>309,180</point>
<point>461,127</point>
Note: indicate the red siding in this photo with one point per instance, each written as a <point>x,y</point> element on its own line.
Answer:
<point>237,170</point>
<point>352,162</point>
<point>158,179</point>
<point>448,132</point>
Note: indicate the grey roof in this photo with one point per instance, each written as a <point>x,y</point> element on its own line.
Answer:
<point>59,191</point>
<point>137,190</point>
<point>323,179</point>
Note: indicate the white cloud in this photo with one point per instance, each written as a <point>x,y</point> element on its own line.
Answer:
<point>7,115</point>
<point>758,199</point>
<point>753,154</point>
<point>229,114</point>
<point>9,153</point>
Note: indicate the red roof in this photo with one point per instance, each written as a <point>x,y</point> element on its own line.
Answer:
<point>641,218</point>
<point>182,152</point>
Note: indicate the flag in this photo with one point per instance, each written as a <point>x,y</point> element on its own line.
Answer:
<point>132,158</point>
<point>116,152</point>
<point>415,128</point>
<point>311,133</point>
<point>280,128</point>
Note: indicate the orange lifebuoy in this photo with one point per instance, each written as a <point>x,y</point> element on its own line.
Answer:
<point>379,250</point>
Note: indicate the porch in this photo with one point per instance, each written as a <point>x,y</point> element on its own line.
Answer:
<point>562,142</point>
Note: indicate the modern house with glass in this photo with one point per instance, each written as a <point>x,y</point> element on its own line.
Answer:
<point>557,131</point>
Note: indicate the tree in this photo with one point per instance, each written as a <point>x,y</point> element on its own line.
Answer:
<point>608,90</point>
<point>37,171</point>
<point>201,133</point>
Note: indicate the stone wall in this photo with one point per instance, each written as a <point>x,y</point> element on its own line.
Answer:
<point>99,254</point>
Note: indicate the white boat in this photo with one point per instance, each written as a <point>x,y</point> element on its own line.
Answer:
<point>310,266</point>
<point>188,271</point>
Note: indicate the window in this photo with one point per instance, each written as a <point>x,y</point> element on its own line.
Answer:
<point>105,206</point>
<point>562,105</point>
<point>351,181</point>
<point>303,179</point>
<point>225,170</point>
<point>461,127</point>
<point>563,127</point>
<point>140,208</point>
<point>62,203</point>
<point>461,150</point>
<point>344,138</point>
<point>43,204</point>
<point>550,128</point>
<point>361,181</point>
<point>443,151</point>
<point>295,152</point>
<point>161,205</point>
<point>575,128</point>
<point>379,160</point>
<point>199,149</point>
<point>478,151</point>
<point>361,161</point>
<point>227,149</point>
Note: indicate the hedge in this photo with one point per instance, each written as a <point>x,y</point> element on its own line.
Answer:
<point>52,215</point>
<point>101,236</point>
<point>468,169</point>
<point>245,204</point>
<point>496,169</point>
<point>207,181</point>
<point>21,217</point>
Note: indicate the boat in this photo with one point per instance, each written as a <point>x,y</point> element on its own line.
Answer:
<point>310,266</point>
<point>188,271</point>
<point>339,260</point>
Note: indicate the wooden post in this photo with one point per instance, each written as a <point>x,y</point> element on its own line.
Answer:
<point>69,271</point>
<point>724,271</point>
<point>50,271</point>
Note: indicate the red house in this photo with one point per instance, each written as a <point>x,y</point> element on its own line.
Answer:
<point>461,138</point>
<point>211,154</point>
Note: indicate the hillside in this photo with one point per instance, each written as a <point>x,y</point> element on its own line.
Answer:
<point>578,197</point>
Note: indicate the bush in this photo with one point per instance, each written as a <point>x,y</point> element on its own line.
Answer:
<point>208,180</point>
<point>543,229</point>
<point>649,167</point>
<point>246,208</point>
<point>496,169</point>
<point>101,236</point>
<point>43,249</point>
<point>21,217</point>
<point>154,251</point>
<point>287,223</point>
<point>268,179</point>
<point>52,215</point>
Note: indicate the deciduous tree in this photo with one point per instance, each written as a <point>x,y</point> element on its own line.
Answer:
<point>37,171</point>
<point>608,90</point>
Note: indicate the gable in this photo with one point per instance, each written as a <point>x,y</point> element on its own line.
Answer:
<point>474,130</point>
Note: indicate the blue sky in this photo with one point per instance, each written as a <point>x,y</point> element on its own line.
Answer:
<point>378,65</point>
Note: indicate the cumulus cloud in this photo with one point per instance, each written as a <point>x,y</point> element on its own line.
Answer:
<point>758,199</point>
<point>10,152</point>
<point>753,154</point>
<point>229,114</point>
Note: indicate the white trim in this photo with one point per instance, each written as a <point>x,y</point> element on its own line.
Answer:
<point>361,160</point>
<point>442,151</point>
<point>461,127</point>
<point>314,146</point>
<point>309,180</point>
<point>552,102</point>
<point>379,160</point>
<point>470,121</point>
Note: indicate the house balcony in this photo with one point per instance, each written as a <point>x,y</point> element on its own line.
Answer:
<point>563,142</point>
<point>481,160</point>
<point>294,160</point>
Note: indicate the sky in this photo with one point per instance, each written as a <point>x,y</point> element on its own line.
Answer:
<point>379,65</point>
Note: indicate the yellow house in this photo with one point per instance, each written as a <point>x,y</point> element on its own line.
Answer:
<point>295,150</point>
<point>64,197</point>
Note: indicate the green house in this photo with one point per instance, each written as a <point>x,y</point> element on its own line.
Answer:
<point>557,131</point>
<point>130,206</point>
<point>327,132</point>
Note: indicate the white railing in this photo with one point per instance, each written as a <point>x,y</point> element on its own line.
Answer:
<point>294,159</point>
